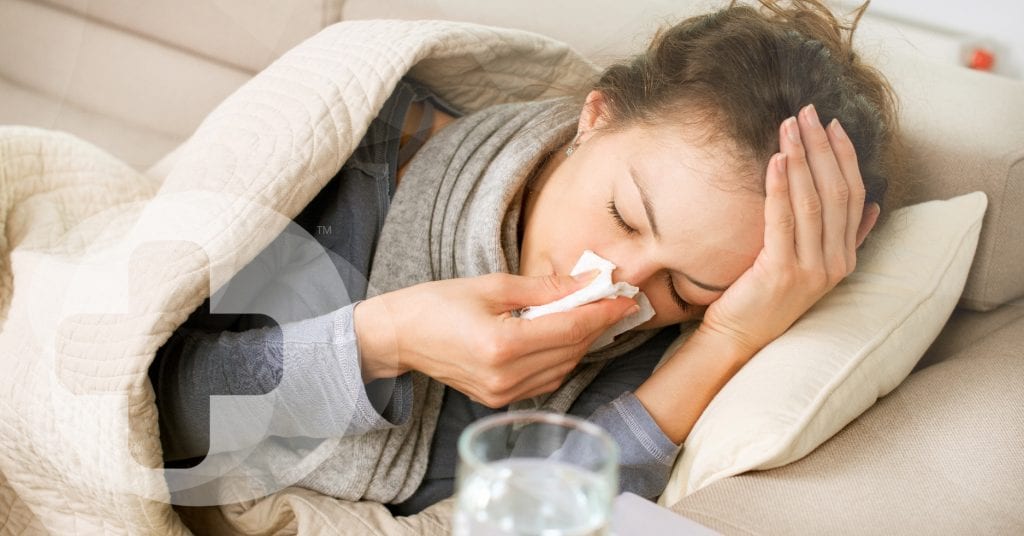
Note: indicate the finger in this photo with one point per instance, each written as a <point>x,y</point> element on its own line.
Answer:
<point>543,390</point>
<point>546,379</point>
<point>832,188</point>
<point>778,214</point>
<point>803,195</point>
<point>515,291</point>
<point>544,370</point>
<point>527,376</point>
<point>846,156</point>
<point>550,368</point>
<point>570,327</point>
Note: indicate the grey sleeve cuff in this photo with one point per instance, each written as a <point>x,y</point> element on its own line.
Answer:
<point>217,390</point>
<point>379,404</point>
<point>646,454</point>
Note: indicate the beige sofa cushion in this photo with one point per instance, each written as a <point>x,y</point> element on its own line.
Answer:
<point>604,31</point>
<point>130,95</point>
<point>939,455</point>
<point>136,78</point>
<point>967,328</point>
<point>135,144</point>
<point>247,34</point>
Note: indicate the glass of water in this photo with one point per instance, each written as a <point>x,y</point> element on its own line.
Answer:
<point>535,472</point>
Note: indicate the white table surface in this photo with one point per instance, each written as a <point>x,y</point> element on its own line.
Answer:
<point>632,514</point>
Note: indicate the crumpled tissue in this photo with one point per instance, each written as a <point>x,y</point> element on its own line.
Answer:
<point>601,287</point>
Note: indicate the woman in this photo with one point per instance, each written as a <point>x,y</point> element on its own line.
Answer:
<point>731,171</point>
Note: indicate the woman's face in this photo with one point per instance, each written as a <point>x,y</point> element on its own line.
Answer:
<point>645,199</point>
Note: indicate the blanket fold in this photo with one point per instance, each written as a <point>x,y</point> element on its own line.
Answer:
<point>101,263</point>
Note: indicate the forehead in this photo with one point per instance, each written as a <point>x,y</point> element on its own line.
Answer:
<point>694,147</point>
<point>695,193</point>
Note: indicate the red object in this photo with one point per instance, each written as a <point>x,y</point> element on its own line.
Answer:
<point>981,59</point>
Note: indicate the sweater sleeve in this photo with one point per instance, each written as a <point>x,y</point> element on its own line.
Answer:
<point>301,378</point>
<point>646,454</point>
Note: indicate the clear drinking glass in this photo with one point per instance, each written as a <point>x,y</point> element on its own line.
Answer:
<point>535,472</point>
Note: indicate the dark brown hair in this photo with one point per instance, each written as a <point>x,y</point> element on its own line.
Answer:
<point>739,72</point>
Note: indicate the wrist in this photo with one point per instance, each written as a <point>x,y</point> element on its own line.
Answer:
<point>678,392</point>
<point>376,336</point>
<point>729,344</point>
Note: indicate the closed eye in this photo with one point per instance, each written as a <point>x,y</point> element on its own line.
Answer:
<point>684,305</point>
<point>617,216</point>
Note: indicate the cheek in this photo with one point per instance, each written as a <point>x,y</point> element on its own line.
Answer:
<point>665,310</point>
<point>572,215</point>
<point>561,227</point>
<point>582,223</point>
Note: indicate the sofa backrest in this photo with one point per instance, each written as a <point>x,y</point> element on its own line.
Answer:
<point>247,34</point>
<point>604,31</point>
<point>136,77</point>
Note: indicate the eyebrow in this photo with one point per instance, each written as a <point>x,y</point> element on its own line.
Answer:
<point>649,210</point>
<point>646,199</point>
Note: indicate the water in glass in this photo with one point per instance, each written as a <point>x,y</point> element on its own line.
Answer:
<point>524,496</point>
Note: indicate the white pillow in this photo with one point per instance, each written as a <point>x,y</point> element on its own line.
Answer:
<point>855,345</point>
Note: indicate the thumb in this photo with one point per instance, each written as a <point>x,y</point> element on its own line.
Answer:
<point>538,290</point>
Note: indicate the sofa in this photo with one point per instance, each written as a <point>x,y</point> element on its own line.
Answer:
<point>940,454</point>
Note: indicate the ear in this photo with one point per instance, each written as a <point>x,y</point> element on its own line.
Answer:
<point>594,114</point>
<point>867,221</point>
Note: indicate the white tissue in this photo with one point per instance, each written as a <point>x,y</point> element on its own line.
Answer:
<point>601,287</point>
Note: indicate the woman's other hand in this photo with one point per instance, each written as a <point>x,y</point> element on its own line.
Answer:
<point>462,333</point>
<point>814,221</point>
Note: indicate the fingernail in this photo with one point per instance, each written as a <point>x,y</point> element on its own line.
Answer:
<point>632,311</point>
<point>811,115</point>
<point>780,162</point>
<point>789,125</point>
<point>837,129</point>
<point>586,276</point>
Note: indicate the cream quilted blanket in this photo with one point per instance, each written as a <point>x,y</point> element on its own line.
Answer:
<point>101,263</point>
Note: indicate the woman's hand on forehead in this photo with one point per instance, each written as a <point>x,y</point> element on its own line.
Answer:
<point>813,210</point>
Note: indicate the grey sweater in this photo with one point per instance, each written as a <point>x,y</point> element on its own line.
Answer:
<point>214,354</point>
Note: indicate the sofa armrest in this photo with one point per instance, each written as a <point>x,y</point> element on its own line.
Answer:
<point>964,131</point>
<point>941,453</point>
